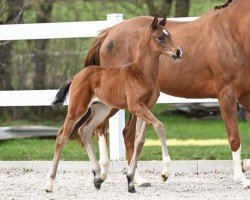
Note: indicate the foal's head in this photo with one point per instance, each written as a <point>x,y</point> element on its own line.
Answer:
<point>161,39</point>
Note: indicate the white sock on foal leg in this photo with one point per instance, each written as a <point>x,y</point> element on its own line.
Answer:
<point>49,184</point>
<point>239,176</point>
<point>104,158</point>
<point>166,164</point>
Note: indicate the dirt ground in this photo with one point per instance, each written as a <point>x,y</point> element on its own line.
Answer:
<point>27,184</point>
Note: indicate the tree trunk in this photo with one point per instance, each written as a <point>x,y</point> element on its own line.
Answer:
<point>182,8</point>
<point>43,15</point>
<point>159,8</point>
<point>11,13</point>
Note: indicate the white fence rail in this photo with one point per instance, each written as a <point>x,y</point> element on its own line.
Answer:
<point>73,30</point>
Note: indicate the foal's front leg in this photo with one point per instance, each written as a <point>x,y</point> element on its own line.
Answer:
<point>139,142</point>
<point>145,114</point>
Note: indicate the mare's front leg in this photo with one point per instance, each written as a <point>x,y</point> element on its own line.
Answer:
<point>228,105</point>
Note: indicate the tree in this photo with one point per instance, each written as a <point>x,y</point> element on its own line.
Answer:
<point>182,8</point>
<point>160,8</point>
<point>43,15</point>
<point>11,13</point>
<point>43,9</point>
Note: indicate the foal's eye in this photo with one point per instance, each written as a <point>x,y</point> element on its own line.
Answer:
<point>161,37</point>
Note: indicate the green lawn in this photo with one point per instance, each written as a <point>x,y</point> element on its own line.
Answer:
<point>187,138</point>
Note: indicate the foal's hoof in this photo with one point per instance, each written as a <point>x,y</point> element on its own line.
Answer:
<point>144,184</point>
<point>141,182</point>
<point>131,189</point>
<point>48,191</point>
<point>98,183</point>
<point>164,177</point>
<point>49,187</point>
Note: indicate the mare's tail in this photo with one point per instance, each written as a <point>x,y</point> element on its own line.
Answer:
<point>61,95</point>
<point>92,57</point>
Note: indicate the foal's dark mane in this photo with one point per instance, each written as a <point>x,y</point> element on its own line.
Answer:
<point>224,5</point>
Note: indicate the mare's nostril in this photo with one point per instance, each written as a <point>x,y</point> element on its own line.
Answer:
<point>178,53</point>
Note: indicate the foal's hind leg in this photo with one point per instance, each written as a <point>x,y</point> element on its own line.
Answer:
<point>75,117</point>
<point>61,140</point>
<point>99,113</point>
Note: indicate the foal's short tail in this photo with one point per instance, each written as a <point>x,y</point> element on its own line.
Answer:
<point>61,95</point>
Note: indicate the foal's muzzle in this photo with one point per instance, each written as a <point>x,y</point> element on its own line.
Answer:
<point>178,54</point>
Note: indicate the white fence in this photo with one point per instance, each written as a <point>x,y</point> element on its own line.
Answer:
<point>73,30</point>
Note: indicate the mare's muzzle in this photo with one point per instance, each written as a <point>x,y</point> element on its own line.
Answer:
<point>178,54</point>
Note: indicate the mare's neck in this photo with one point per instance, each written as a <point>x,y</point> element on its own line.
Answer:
<point>148,62</point>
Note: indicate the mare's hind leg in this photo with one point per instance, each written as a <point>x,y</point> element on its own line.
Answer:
<point>228,105</point>
<point>99,113</point>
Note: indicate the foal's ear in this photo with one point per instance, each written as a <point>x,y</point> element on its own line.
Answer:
<point>163,21</point>
<point>153,26</point>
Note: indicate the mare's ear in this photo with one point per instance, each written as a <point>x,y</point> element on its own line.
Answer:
<point>163,21</point>
<point>153,26</point>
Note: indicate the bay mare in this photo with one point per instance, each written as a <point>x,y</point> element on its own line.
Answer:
<point>216,64</point>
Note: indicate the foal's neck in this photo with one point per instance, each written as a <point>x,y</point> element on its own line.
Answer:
<point>147,62</point>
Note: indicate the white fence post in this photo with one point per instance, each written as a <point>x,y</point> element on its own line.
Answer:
<point>117,122</point>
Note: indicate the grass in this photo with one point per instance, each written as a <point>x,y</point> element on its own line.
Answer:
<point>187,139</point>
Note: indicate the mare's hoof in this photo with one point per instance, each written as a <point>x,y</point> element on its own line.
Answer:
<point>131,189</point>
<point>164,177</point>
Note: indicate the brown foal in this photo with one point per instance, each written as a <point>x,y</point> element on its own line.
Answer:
<point>95,90</point>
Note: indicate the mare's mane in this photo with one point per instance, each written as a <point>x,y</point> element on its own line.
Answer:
<point>224,5</point>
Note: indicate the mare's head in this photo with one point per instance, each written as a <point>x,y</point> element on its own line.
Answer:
<point>162,41</point>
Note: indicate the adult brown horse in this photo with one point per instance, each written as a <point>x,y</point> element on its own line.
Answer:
<point>216,64</point>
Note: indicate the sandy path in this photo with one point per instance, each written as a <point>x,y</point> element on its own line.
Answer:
<point>25,184</point>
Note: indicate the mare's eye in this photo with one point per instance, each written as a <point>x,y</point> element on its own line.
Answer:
<point>161,37</point>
